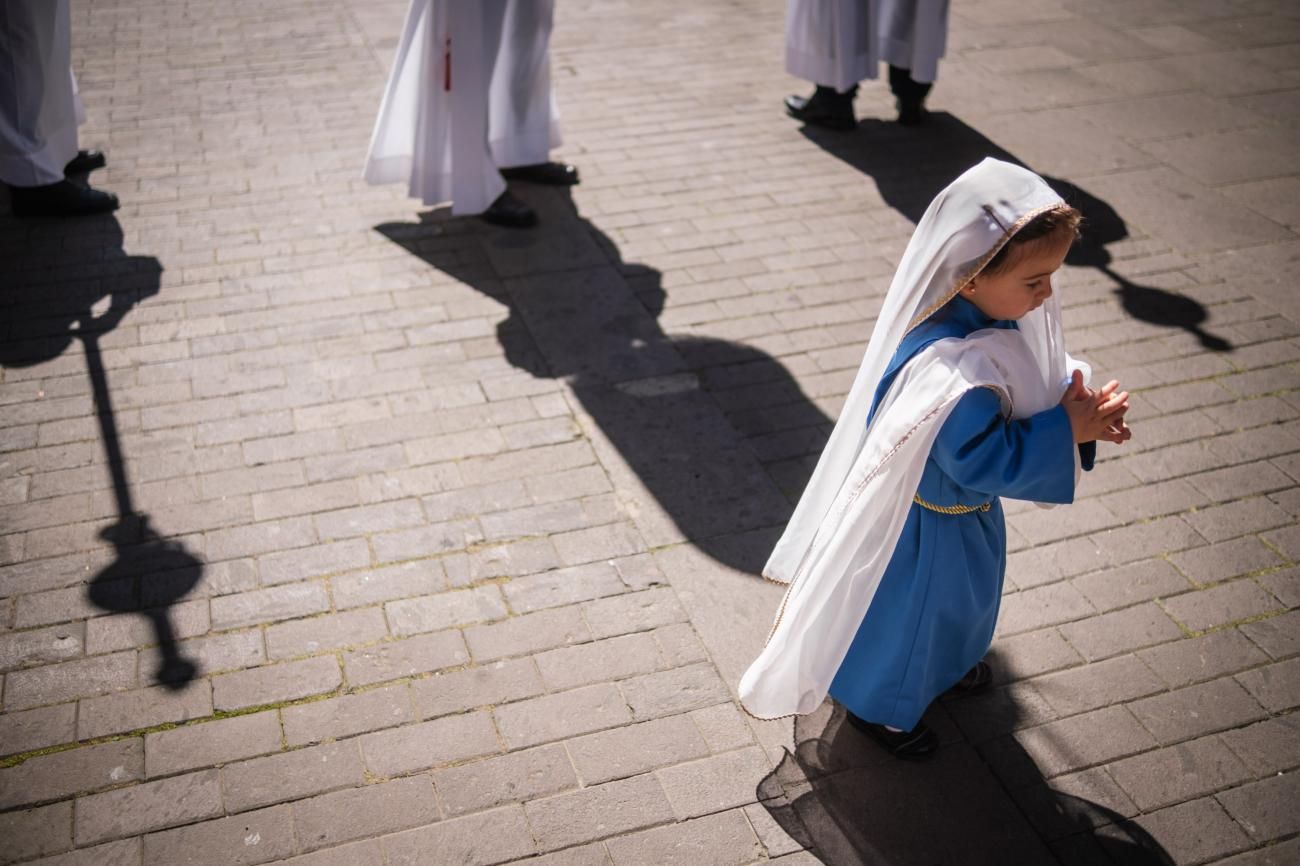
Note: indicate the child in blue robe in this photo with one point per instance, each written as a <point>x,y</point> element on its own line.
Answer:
<point>933,615</point>
<point>896,553</point>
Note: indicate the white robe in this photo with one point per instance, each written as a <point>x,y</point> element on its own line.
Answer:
<point>39,106</point>
<point>837,43</point>
<point>469,93</point>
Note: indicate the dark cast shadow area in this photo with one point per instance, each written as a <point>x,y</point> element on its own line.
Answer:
<point>70,280</point>
<point>910,165</point>
<point>574,314</point>
<point>981,801</point>
<point>576,311</point>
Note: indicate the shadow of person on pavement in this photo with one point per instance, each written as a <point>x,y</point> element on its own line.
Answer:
<point>910,165</point>
<point>980,800</point>
<point>73,281</point>
<point>1102,226</point>
<point>573,314</point>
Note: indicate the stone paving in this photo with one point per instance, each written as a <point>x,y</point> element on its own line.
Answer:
<point>427,542</point>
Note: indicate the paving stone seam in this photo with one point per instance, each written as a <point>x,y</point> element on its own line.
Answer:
<point>1195,586</point>
<point>370,780</point>
<point>1192,475</point>
<point>73,378</point>
<point>343,691</point>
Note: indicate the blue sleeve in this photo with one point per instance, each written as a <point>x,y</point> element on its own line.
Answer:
<point>1030,458</point>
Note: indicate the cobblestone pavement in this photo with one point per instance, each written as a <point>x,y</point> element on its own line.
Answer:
<point>450,532</point>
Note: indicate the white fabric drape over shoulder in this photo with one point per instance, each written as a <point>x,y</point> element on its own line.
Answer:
<point>469,93</point>
<point>843,532</point>
<point>39,106</point>
<point>837,43</point>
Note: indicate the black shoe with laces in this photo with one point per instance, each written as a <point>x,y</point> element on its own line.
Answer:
<point>85,162</point>
<point>826,108</point>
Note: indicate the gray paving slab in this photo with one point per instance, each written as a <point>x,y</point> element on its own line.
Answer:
<point>453,532</point>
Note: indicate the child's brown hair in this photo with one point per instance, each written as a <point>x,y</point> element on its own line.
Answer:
<point>1048,227</point>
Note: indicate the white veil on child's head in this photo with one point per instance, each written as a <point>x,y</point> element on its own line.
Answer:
<point>843,533</point>
<point>962,229</point>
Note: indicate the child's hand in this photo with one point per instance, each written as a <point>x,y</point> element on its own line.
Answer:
<point>1077,390</point>
<point>1096,414</point>
<point>1119,434</point>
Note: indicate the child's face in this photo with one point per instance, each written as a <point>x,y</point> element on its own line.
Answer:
<point>1022,287</point>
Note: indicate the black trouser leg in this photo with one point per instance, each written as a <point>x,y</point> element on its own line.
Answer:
<point>905,89</point>
<point>910,94</point>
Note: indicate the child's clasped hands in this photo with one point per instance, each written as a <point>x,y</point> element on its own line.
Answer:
<point>1096,414</point>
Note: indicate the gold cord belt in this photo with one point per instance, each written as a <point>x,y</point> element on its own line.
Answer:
<point>951,509</point>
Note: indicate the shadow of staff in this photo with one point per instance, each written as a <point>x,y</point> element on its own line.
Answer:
<point>75,282</point>
<point>910,165</point>
<point>573,315</point>
<point>840,796</point>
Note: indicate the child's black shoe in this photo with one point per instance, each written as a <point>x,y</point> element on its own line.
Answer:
<point>918,744</point>
<point>976,682</point>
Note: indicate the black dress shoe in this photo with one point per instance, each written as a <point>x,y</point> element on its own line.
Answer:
<point>918,744</point>
<point>825,108</point>
<point>510,212</point>
<point>85,162</point>
<point>548,173</point>
<point>977,681</point>
<point>61,199</point>
<point>911,113</point>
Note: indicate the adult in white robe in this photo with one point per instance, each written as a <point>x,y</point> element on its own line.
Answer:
<point>469,104</point>
<point>39,114</point>
<point>837,43</point>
